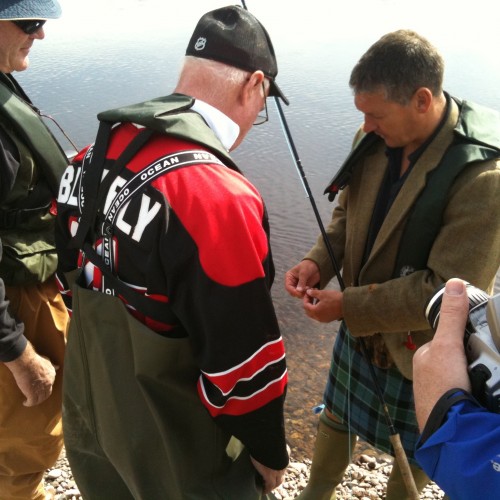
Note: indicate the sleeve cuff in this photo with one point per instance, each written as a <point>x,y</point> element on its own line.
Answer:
<point>440,410</point>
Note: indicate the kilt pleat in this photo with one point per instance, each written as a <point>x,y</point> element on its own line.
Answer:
<point>351,395</point>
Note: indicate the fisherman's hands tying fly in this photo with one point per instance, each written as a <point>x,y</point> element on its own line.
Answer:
<point>321,305</point>
<point>300,278</point>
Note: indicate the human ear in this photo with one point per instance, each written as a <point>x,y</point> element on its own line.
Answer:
<point>423,99</point>
<point>253,84</point>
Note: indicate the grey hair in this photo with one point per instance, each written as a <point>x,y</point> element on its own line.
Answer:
<point>398,64</point>
<point>215,71</point>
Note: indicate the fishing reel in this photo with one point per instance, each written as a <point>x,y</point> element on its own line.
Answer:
<point>481,342</point>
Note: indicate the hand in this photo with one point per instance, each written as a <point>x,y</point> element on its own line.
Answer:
<point>324,305</point>
<point>301,277</point>
<point>270,477</point>
<point>441,365</point>
<point>34,375</point>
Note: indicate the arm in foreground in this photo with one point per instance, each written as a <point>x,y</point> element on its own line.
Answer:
<point>441,365</point>
<point>458,447</point>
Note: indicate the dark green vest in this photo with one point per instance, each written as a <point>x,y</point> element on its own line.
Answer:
<point>26,226</point>
<point>477,138</point>
<point>170,115</point>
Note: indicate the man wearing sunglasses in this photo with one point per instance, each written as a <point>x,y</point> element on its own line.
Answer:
<point>32,335</point>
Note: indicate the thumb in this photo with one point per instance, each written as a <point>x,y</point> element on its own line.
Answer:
<point>314,293</point>
<point>454,310</point>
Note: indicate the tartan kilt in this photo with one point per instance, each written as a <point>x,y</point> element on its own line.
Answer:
<point>351,396</point>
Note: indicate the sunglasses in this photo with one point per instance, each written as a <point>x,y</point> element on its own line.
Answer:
<point>29,26</point>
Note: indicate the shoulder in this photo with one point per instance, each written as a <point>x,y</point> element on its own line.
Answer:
<point>224,215</point>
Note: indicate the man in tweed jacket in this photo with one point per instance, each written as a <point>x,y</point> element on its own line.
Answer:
<point>420,206</point>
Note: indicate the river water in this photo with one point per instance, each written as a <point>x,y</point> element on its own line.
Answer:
<point>105,54</point>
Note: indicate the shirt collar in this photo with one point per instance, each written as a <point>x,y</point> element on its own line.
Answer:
<point>413,157</point>
<point>223,127</point>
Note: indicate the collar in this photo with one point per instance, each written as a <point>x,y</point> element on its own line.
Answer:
<point>413,157</point>
<point>223,127</point>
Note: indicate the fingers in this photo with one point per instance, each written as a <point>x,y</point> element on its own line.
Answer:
<point>41,391</point>
<point>270,478</point>
<point>301,277</point>
<point>454,311</point>
<point>291,282</point>
<point>323,305</point>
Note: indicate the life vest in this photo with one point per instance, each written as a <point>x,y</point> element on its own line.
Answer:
<point>166,115</point>
<point>26,225</point>
<point>477,138</point>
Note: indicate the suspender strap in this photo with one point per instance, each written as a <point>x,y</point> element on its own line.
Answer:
<point>95,191</point>
<point>91,176</point>
<point>159,311</point>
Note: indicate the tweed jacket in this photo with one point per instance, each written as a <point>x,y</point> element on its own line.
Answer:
<point>467,245</point>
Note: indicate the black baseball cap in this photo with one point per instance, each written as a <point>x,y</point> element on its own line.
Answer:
<point>233,36</point>
<point>29,9</point>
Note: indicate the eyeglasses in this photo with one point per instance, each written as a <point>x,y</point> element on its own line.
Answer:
<point>262,117</point>
<point>29,26</point>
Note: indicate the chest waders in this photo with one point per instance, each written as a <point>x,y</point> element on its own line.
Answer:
<point>134,423</point>
<point>132,413</point>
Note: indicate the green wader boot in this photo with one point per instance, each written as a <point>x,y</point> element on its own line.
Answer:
<point>396,488</point>
<point>332,455</point>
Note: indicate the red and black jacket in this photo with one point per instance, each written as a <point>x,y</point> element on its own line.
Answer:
<point>194,237</point>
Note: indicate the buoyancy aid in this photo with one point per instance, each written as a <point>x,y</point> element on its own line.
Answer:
<point>26,225</point>
<point>477,138</point>
<point>166,115</point>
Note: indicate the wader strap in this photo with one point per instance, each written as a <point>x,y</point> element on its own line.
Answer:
<point>159,311</point>
<point>94,194</point>
<point>94,191</point>
<point>96,156</point>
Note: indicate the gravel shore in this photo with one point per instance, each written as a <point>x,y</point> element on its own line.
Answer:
<point>365,479</point>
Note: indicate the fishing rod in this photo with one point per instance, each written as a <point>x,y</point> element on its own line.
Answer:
<point>394,436</point>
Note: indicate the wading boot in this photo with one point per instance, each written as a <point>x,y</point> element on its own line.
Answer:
<point>396,488</point>
<point>332,455</point>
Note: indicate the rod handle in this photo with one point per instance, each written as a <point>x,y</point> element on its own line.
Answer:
<point>404,466</point>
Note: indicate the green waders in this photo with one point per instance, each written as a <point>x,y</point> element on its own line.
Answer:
<point>134,426</point>
<point>332,455</point>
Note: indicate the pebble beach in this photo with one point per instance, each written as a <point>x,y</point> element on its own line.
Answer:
<point>365,479</point>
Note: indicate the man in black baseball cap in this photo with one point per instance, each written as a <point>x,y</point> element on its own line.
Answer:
<point>202,416</point>
<point>233,36</point>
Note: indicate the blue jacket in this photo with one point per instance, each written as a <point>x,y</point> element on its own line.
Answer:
<point>460,448</point>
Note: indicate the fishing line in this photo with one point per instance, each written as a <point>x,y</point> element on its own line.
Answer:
<point>43,115</point>
<point>394,437</point>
